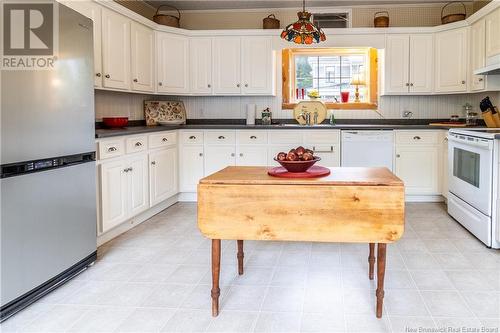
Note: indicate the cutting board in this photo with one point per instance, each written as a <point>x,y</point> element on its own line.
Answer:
<point>449,124</point>
<point>311,107</point>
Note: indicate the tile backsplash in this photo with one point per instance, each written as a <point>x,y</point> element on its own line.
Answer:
<point>108,103</point>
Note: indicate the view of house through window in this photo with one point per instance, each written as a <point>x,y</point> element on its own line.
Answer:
<point>331,72</point>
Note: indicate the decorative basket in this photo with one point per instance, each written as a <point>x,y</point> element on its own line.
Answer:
<point>270,22</point>
<point>453,17</point>
<point>168,20</point>
<point>381,19</point>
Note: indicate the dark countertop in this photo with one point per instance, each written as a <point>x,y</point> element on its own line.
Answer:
<point>416,124</point>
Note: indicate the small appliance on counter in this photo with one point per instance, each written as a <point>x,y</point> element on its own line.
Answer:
<point>251,114</point>
<point>266,116</point>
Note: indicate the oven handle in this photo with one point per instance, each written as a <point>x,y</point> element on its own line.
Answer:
<point>486,145</point>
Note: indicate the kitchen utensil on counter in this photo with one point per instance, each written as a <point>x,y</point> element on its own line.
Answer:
<point>313,172</point>
<point>166,112</point>
<point>266,116</point>
<point>381,19</point>
<point>488,119</point>
<point>316,109</point>
<point>166,19</point>
<point>455,16</point>
<point>114,122</point>
<point>270,22</point>
<point>251,114</point>
<point>489,113</point>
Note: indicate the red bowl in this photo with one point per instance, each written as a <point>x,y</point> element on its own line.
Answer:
<point>115,121</point>
<point>298,166</point>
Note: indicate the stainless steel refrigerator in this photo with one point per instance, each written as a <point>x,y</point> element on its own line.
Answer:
<point>48,184</point>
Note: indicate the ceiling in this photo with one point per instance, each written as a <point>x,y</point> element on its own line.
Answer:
<point>249,4</point>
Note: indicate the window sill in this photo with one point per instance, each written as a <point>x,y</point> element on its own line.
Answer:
<point>337,106</point>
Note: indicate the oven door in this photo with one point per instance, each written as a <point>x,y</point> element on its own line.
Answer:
<point>471,170</point>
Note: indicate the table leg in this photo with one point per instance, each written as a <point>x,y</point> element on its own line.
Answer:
<point>240,257</point>
<point>371,261</point>
<point>215,276</point>
<point>381,251</point>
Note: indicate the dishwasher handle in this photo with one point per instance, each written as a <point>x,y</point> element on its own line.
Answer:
<point>323,151</point>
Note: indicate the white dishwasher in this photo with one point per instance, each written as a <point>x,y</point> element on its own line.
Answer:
<point>367,148</point>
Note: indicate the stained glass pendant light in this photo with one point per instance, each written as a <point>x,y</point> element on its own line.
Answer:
<point>303,31</point>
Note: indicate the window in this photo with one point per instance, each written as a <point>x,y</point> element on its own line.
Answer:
<point>330,71</point>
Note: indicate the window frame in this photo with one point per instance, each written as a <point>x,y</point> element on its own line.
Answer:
<point>288,75</point>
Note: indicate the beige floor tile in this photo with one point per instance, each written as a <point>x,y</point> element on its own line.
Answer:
<point>244,298</point>
<point>404,303</point>
<point>188,321</point>
<point>413,324</point>
<point>484,304</point>
<point>278,322</point>
<point>366,324</point>
<point>233,321</point>
<point>321,300</point>
<point>431,280</point>
<point>146,320</point>
<point>101,319</point>
<point>323,322</point>
<point>280,299</point>
<point>446,304</point>
<point>168,295</point>
<point>58,319</point>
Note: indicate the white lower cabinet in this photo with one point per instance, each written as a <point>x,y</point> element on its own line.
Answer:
<point>251,156</point>
<point>217,157</point>
<point>191,167</point>
<point>418,163</point>
<point>162,174</point>
<point>124,189</point>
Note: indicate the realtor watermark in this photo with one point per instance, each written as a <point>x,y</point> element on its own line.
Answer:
<point>29,35</point>
<point>452,329</point>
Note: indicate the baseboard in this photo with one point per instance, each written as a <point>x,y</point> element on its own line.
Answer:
<point>188,197</point>
<point>424,198</point>
<point>136,220</point>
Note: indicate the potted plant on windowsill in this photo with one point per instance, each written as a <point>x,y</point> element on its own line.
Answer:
<point>313,94</point>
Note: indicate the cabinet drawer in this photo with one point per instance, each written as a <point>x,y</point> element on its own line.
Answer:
<point>136,144</point>
<point>192,137</point>
<point>111,148</point>
<point>285,136</point>
<point>417,137</point>
<point>252,137</point>
<point>220,137</point>
<point>162,139</point>
<point>322,136</point>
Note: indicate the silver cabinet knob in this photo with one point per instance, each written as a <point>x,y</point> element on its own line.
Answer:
<point>110,149</point>
<point>246,84</point>
<point>209,85</point>
<point>201,154</point>
<point>221,137</point>
<point>107,76</point>
<point>232,154</point>
<point>153,163</point>
<point>98,74</point>
<point>407,84</point>
<point>411,84</point>
<point>463,81</point>
<point>238,85</point>
<point>138,144</point>
<point>480,79</point>
<point>445,139</point>
<point>397,155</point>
<point>125,170</point>
<point>130,169</point>
<point>135,80</point>
<point>164,139</point>
<point>160,84</point>
<point>241,154</point>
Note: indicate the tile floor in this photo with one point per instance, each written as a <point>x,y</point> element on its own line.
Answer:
<point>156,277</point>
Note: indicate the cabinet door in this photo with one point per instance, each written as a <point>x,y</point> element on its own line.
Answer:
<point>421,63</point>
<point>227,65</point>
<point>142,59</point>
<point>138,184</point>
<point>172,63</point>
<point>330,154</point>
<point>451,60</point>
<point>113,186</point>
<point>444,166</point>
<point>93,12</point>
<point>397,64</point>
<point>251,156</point>
<point>200,65</point>
<point>191,160</point>
<point>218,157</point>
<point>163,174</point>
<point>418,167</point>
<point>115,50</point>
<point>257,66</point>
<point>493,34</point>
<point>477,53</point>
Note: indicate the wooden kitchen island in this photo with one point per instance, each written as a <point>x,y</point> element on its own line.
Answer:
<point>359,205</point>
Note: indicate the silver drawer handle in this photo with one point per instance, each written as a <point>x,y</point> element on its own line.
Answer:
<point>192,137</point>
<point>130,169</point>
<point>110,149</point>
<point>323,151</point>
<point>232,154</point>
<point>135,80</point>
<point>481,80</point>
<point>138,144</point>
<point>98,74</point>
<point>107,76</point>
<point>241,154</point>
<point>416,137</point>
<point>253,137</point>
<point>398,156</point>
<point>160,84</point>
<point>164,139</point>
<point>125,170</point>
<point>221,137</point>
<point>201,154</point>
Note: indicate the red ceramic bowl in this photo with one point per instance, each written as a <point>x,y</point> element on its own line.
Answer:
<point>115,121</point>
<point>298,166</point>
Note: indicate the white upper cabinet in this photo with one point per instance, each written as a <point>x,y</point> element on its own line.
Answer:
<point>477,53</point>
<point>493,34</point>
<point>421,63</point>
<point>142,58</point>
<point>115,50</point>
<point>408,64</point>
<point>200,65</point>
<point>92,11</point>
<point>227,65</point>
<point>451,60</point>
<point>397,62</point>
<point>172,63</point>
<point>257,66</point>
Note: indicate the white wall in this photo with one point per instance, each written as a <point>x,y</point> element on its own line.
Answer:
<point>109,103</point>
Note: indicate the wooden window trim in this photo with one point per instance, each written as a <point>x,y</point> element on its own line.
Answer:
<point>288,79</point>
